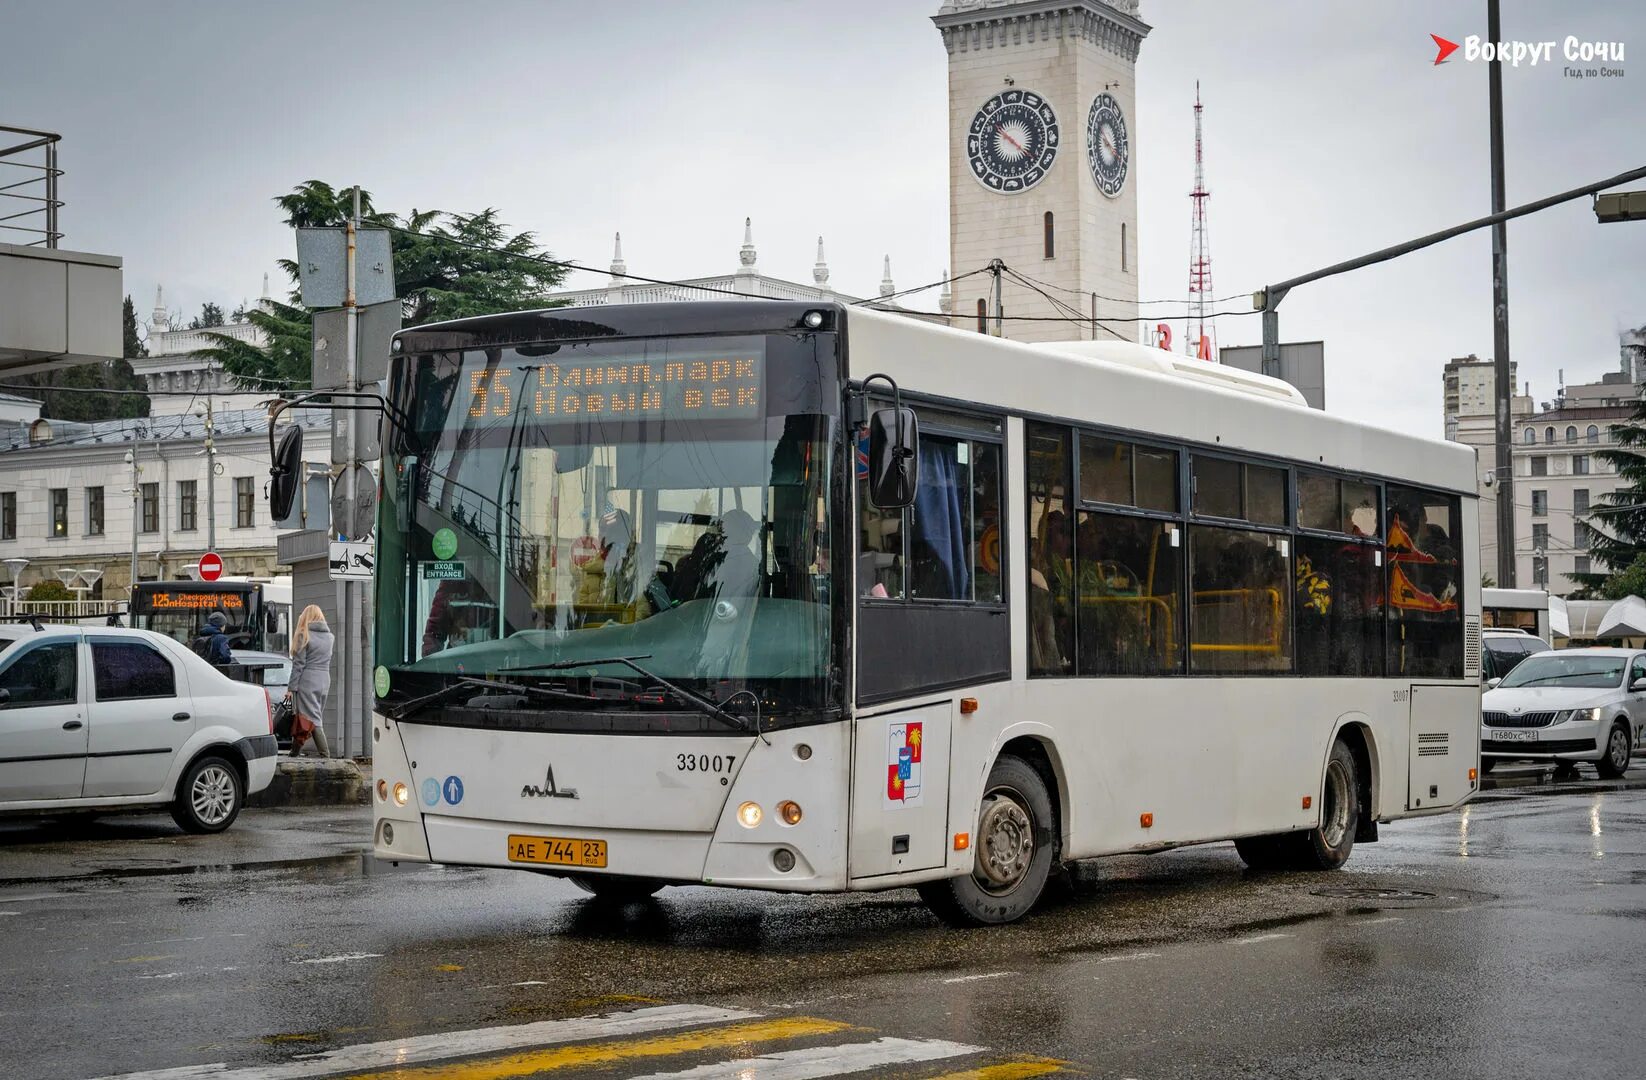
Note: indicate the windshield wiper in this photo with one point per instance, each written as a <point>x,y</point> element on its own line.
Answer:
<point>701,704</point>
<point>1563,675</point>
<point>466,682</point>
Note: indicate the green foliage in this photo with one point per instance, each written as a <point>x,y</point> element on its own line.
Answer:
<point>210,315</point>
<point>1630,581</point>
<point>131,345</point>
<point>49,590</point>
<point>1487,581</point>
<point>1618,518</point>
<point>458,266</point>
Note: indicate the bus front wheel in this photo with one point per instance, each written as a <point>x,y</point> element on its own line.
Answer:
<point>1015,847</point>
<point>1327,845</point>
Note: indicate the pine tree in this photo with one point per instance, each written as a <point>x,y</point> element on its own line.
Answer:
<point>1617,519</point>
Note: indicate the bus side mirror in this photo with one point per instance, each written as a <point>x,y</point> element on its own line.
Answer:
<point>405,496</point>
<point>284,473</point>
<point>894,464</point>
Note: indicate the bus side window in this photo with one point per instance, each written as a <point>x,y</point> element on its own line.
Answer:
<point>1051,550</point>
<point>1425,584</point>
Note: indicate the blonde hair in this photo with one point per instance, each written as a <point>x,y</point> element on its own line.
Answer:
<point>300,632</point>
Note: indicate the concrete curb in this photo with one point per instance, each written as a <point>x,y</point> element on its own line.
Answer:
<point>316,782</point>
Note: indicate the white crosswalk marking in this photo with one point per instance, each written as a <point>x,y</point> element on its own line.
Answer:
<point>455,1044</point>
<point>821,1061</point>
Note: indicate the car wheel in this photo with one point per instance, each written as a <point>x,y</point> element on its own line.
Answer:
<point>1615,761</point>
<point>209,798</point>
<point>618,889</point>
<point>1015,846</point>
<point>1487,764</point>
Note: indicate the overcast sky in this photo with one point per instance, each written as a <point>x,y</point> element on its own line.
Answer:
<point>1328,133</point>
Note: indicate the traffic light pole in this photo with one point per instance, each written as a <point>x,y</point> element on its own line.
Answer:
<point>351,631</point>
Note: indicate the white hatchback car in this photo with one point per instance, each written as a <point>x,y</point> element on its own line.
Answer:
<point>1567,706</point>
<point>107,719</point>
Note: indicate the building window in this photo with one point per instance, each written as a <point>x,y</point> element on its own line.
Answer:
<point>8,515</point>
<point>1540,465</point>
<point>1580,500</point>
<point>1580,464</point>
<point>1529,437</point>
<point>982,316</point>
<point>1540,503</point>
<point>1540,536</point>
<point>1580,565</point>
<point>1051,246</point>
<point>1123,264</point>
<point>1571,433</point>
<point>151,507</point>
<point>1594,434</point>
<point>1548,434</point>
<point>188,506</point>
<point>243,502</point>
<point>59,512</point>
<point>94,511</point>
<point>1580,536</point>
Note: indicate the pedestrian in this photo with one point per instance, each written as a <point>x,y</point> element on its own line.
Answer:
<point>212,642</point>
<point>311,649</point>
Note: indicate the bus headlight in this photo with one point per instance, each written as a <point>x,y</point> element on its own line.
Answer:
<point>788,812</point>
<point>749,815</point>
<point>400,794</point>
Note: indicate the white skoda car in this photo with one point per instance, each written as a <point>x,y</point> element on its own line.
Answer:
<point>104,719</point>
<point>1568,706</point>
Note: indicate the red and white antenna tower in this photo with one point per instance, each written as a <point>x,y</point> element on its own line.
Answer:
<point>1198,340</point>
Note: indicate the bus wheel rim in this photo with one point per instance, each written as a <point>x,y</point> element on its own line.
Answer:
<point>1334,821</point>
<point>1005,847</point>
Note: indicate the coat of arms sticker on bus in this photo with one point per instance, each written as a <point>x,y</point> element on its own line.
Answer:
<point>903,764</point>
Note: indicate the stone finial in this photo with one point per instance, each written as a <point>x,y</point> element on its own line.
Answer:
<point>820,269</point>
<point>618,267</point>
<point>746,256</point>
<point>159,319</point>
<point>886,286</point>
<point>265,295</point>
<point>945,299</point>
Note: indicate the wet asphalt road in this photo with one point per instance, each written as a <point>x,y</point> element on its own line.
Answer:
<point>1504,941</point>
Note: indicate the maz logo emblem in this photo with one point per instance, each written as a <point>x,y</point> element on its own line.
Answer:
<point>532,791</point>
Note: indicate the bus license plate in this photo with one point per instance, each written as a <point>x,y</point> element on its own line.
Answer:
<point>1512,735</point>
<point>557,851</point>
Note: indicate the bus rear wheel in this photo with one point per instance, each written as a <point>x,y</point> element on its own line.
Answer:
<point>1015,848</point>
<point>1327,846</point>
<point>616,889</point>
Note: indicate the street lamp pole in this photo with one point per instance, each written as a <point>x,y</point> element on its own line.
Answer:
<point>1504,465</point>
<point>136,511</point>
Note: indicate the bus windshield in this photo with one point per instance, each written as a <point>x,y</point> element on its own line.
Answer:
<point>664,499</point>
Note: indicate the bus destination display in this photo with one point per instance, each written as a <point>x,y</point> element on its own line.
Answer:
<point>192,601</point>
<point>705,385</point>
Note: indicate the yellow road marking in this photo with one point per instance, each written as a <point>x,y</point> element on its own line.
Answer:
<point>448,967</point>
<point>565,1057</point>
<point>1011,1070</point>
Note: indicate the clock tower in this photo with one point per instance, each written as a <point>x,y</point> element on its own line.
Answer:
<point>1041,170</point>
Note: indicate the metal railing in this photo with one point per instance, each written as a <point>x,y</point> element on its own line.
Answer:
<point>35,156</point>
<point>58,609</point>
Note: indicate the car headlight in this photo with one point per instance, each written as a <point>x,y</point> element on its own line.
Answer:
<point>1577,715</point>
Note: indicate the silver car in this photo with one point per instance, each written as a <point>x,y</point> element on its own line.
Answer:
<point>1567,706</point>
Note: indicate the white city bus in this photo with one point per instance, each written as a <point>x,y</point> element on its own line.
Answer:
<point>640,621</point>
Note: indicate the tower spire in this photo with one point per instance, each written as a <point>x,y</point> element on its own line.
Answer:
<point>158,319</point>
<point>745,257</point>
<point>886,286</point>
<point>1198,335</point>
<point>618,267</point>
<point>820,269</point>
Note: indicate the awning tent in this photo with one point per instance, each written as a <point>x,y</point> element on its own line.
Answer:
<point>1624,619</point>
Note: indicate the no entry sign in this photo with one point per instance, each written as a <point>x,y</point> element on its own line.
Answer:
<point>211,566</point>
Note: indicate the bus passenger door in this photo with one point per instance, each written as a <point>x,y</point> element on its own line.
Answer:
<point>900,790</point>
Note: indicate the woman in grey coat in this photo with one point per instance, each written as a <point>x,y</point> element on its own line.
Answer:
<point>311,648</point>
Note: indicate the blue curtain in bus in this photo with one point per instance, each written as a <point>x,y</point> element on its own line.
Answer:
<point>940,521</point>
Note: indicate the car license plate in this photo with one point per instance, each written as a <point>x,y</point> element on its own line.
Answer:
<point>1513,735</point>
<point>557,851</point>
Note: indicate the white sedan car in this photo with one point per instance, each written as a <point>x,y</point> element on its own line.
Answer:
<point>104,719</point>
<point>1567,706</point>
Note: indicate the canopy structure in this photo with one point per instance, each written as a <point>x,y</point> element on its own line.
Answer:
<point>1624,619</point>
<point>1583,618</point>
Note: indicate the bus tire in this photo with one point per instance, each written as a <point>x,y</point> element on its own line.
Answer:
<point>1263,852</point>
<point>1327,846</point>
<point>616,888</point>
<point>1614,761</point>
<point>1015,848</point>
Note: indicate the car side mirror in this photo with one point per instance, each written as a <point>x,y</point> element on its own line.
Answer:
<point>1636,686</point>
<point>5,697</point>
<point>894,463</point>
<point>1492,683</point>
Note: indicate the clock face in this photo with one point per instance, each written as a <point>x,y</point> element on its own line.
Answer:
<point>1012,141</point>
<point>1107,149</point>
